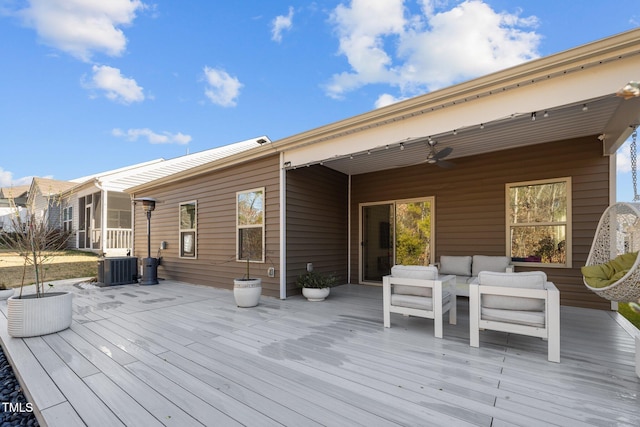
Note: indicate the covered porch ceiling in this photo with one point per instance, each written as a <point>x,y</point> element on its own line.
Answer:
<point>609,118</point>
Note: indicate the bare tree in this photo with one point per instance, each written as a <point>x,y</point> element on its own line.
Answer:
<point>36,241</point>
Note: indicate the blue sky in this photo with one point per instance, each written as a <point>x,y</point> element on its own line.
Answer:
<point>92,85</point>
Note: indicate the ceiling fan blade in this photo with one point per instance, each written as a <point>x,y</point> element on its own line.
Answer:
<point>443,153</point>
<point>445,164</point>
<point>411,164</point>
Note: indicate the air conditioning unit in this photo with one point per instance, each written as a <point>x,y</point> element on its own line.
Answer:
<point>117,271</point>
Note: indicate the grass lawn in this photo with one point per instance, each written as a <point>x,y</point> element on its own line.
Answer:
<point>62,265</point>
<point>632,316</point>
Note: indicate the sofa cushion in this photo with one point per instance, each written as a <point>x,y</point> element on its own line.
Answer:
<point>527,280</point>
<point>413,272</point>
<point>489,263</point>
<point>458,265</point>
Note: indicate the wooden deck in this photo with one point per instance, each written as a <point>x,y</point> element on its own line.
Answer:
<point>184,355</point>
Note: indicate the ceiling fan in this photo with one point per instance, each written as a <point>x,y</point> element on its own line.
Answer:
<point>436,157</point>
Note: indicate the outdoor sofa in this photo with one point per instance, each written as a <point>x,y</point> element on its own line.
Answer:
<point>467,268</point>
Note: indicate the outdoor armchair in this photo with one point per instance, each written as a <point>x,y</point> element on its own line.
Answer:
<point>519,303</point>
<point>414,290</point>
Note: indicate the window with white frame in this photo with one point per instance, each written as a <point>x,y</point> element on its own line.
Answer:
<point>67,218</point>
<point>250,225</point>
<point>539,222</point>
<point>188,229</point>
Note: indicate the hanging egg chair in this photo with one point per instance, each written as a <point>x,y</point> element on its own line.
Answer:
<point>618,233</point>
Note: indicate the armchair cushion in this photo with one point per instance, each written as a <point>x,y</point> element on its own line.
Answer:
<point>413,272</point>
<point>489,263</point>
<point>526,280</point>
<point>519,317</point>
<point>421,303</point>
<point>458,265</point>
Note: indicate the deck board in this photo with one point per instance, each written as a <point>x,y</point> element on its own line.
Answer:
<point>88,406</point>
<point>183,355</point>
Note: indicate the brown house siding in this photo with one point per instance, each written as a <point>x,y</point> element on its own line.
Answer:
<point>215,193</point>
<point>470,206</point>
<point>317,200</point>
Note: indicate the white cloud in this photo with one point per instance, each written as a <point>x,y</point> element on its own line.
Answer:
<point>623,158</point>
<point>116,87</point>
<point>7,179</point>
<point>81,27</point>
<point>281,23</point>
<point>221,88</point>
<point>386,99</point>
<point>152,137</point>
<point>361,29</point>
<point>385,44</point>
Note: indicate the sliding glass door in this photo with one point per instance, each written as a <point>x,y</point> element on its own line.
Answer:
<point>395,232</point>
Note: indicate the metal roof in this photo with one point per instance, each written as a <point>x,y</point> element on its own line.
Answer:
<point>144,175</point>
<point>104,175</point>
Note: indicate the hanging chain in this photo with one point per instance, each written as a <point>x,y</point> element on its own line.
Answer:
<point>634,171</point>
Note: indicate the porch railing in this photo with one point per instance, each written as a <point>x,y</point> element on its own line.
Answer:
<point>115,238</point>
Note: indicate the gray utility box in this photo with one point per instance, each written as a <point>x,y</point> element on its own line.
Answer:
<point>117,271</point>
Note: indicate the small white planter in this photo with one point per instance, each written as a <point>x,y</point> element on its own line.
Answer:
<point>316,294</point>
<point>30,316</point>
<point>247,292</point>
<point>5,293</point>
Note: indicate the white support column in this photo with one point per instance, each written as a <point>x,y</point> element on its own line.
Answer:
<point>103,223</point>
<point>283,229</point>
<point>638,356</point>
<point>349,231</point>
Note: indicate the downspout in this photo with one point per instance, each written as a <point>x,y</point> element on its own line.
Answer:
<point>283,229</point>
<point>349,231</point>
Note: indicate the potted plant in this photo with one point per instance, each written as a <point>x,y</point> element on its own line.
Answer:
<point>39,313</point>
<point>247,290</point>
<point>316,286</point>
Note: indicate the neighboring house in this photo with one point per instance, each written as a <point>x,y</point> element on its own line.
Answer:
<point>99,212</point>
<point>12,199</point>
<point>533,150</point>
<point>92,201</point>
<point>16,195</point>
<point>45,200</point>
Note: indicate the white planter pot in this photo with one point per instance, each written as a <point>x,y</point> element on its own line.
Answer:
<point>30,316</point>
<point>247,292</point>
<point>316,294</point>
<point>5,293</point>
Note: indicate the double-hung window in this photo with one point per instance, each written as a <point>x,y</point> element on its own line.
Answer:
<point>67,219</point>
<point>250,225</point>
<point>538,220</point>
<point>188,229</point>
